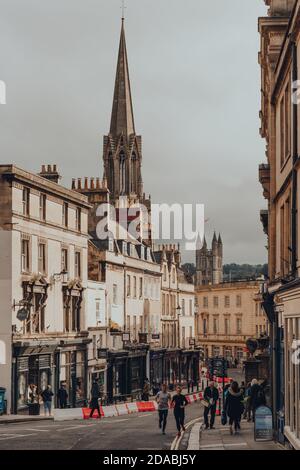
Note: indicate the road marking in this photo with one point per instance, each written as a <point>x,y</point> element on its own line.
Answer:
<point>36,429</point>
<point>176,443</point>
<point>76,427</point>
<point>236,444</point>
<point>16,436</point>
<point>144,416</point>
<point>212,446</point>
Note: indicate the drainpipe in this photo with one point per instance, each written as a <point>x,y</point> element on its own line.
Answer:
<point>295,158</point>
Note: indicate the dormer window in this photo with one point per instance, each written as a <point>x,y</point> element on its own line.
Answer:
<point>124,248</point>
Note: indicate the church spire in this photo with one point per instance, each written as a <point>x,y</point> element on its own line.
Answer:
<point>122,120</point>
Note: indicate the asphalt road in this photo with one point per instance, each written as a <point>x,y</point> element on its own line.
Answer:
<point>133,432</point>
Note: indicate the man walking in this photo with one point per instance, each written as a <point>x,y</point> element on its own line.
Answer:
<point>211,396</point>
<point>62,396</point>
<point>95,395</point>
<point>163,399</point>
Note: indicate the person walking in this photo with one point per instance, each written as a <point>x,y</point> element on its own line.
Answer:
<point>163,399</point>
<point>257,397</point>
<point>234,407</point>
<point>247,412</point>
<point>146,391</point>
<point>95,395</point>
<point>62,396</point>
<point>47,395</point>
<point>211,395</point>
<point>179,403</point>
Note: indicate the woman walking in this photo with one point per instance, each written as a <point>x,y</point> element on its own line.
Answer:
<point>179,402</point>
<point>234,407</point>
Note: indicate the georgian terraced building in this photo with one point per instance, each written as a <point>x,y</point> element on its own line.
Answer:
<point>228,315</point>
<point>279,175</point>
<point>43,277</point>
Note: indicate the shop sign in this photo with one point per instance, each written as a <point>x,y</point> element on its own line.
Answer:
<point>263,427</point>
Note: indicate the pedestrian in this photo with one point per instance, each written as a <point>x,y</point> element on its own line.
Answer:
<point>95,395</point>
<point>234,407</point>
<point>146,391</point>
<point>47,395</point>
<point>163,399</point>
<point>211,395</point>
<point>33,400</point>
<point>62,396</point>
<point>257,397</point>
<point>179,403</point>
<point>247,412</point>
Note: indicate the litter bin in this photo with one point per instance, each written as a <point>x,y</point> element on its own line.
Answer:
<point>34,409</point>
<point>2,400</point>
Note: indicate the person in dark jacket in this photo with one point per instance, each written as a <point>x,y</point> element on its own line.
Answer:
<point>179,403</point>
<point>62,396</point>
<point>95,395</point>
<point>47,395</point>
<point>211,395</point>
<point>257,397</point>
<point>234,406</point>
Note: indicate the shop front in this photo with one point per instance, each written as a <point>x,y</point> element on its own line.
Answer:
<point>31,366</point>
<point>126,373</point>
<point>157,374</point>
<point>189,365</point>
<point>72,372</point>
<point>172,368</point>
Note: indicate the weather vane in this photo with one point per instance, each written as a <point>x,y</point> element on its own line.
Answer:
<point>123,9</point>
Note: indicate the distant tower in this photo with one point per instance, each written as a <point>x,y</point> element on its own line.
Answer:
<point>209,263</point>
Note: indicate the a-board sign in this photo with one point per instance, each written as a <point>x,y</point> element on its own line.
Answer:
<point>263,427</point>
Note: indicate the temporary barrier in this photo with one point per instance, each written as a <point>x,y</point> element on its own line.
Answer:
<point>122,409</point>
<point>144,406</point>
<point>132,408</point>
<point>136,407</point>
<point>86,413</point>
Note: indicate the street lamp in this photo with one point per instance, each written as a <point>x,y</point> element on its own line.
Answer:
<point>178,310</point>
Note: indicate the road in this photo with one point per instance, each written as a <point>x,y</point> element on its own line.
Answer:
<point>133,432</point>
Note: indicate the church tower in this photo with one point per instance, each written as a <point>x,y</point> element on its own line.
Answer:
<point>122,152</point>
<point>209,263</point>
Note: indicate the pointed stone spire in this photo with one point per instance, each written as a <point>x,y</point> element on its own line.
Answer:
<point>220,240</point>
<point>122,120</point>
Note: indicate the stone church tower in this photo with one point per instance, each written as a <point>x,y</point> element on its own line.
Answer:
<point>209,263</point>
<point>122,149</point>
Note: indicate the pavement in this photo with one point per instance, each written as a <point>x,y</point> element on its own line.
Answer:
<point>221,439</point>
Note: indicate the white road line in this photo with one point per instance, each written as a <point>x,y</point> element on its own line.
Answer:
<point>77,427</point>
<point>16,436</point>
<point>212,446</point>
<point>35,429</point>
<point>144,416</point>
<point>240,444</point>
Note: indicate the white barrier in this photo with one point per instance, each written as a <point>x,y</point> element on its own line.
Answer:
<point>123,409</point>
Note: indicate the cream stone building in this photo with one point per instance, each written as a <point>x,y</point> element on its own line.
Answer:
<point>43,277</point>
<point>279,59</point>
<point>227,315</point>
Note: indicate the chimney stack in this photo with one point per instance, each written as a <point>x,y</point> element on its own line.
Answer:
<point>50,173</point>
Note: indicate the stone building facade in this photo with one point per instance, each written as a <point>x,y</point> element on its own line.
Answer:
<point>279,60</point>
<point>43,265</point>
<point>227,315</point>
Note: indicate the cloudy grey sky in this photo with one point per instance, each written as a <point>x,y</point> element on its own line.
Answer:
<point>195,85</point>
